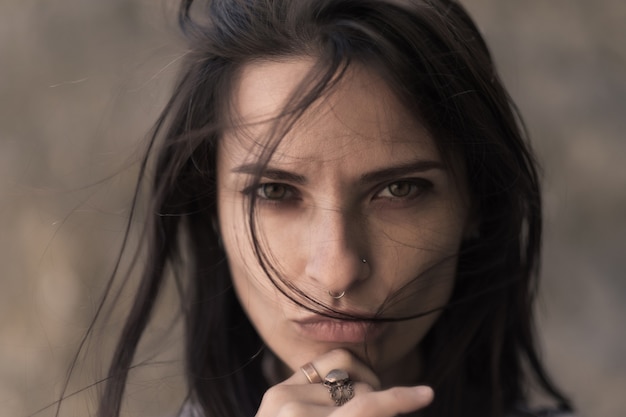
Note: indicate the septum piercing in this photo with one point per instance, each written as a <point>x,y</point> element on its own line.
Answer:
<point>336,296</point>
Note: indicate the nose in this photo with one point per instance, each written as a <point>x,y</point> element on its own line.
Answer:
<point>336,259</point>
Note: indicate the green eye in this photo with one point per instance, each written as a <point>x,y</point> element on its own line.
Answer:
<point>401,188</point>
<point>405,189</point>
<point>272,191</point>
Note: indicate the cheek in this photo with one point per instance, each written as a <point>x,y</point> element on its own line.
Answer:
<point>419,257</point>
<point>259,297</point>
<point>237,242</point>
<point>421,241</point>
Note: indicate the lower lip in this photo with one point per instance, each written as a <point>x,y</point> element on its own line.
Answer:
<point>336,331</point>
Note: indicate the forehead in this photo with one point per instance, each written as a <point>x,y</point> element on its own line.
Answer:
<point>359,115</point>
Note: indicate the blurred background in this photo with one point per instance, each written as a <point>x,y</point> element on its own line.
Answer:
<point>81,82</point>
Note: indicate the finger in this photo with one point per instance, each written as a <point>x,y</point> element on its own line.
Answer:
<point>296,409</point>
<point>388,403</point>
<point>338,359</point>
<point>276,398</point>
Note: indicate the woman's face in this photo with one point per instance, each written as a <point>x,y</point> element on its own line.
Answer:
<point>356,178</point>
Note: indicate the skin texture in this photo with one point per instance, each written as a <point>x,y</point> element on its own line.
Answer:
<point>336,191</point>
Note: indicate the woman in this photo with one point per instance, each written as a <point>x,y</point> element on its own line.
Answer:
<point>352,212</point>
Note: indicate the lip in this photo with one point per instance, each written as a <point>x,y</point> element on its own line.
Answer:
<point>323,329</point>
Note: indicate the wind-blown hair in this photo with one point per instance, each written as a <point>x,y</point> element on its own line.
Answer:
<point>480,355</point>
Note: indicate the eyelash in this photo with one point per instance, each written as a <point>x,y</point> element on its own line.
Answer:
<point>261,188</point>
<point>419,186</point>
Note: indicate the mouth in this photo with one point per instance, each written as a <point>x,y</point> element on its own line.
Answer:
<point>322,329</point>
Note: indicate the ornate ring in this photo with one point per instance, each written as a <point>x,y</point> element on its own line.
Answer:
<point>339,386</point>
<point>311,373</point>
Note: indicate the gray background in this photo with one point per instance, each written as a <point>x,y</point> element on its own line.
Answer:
<point>81,81</point>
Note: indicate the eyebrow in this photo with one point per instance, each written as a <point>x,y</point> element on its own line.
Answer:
<point>373,176</point>
<point>270,173</point>
<point>401,170</point>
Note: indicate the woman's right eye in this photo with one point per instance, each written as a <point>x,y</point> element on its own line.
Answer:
<point>275,191</point>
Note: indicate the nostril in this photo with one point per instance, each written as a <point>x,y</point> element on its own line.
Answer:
<point>343,280</point>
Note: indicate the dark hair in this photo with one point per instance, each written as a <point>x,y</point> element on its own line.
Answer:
<point>480,355</point>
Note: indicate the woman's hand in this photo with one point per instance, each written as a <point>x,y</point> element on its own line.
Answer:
<point>296,397</point>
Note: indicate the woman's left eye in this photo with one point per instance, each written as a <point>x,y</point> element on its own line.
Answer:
<point>405,189</point>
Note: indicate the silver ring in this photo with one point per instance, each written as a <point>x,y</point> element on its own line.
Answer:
<point>340,386</point>
<point>364,260</point>
<point>336,296</point>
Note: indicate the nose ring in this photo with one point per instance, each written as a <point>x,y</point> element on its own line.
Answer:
<point>337,296</point>
<point>342,293</point>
